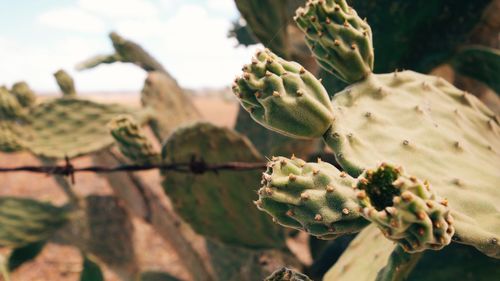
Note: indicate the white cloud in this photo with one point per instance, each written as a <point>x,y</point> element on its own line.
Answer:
<point>35,65</point>
<point>72,19</point>
<point>226,7</point>
<point>117,9</point>
<point>197,51</point>
<point>191,41</point>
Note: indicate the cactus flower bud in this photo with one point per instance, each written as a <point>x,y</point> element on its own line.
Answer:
<point>282,96</point>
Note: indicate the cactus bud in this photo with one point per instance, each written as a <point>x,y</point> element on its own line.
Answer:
<point>340,40</point>
<point>290,100</point>
<point>403,208</point>
<point>321,203</point>
<point>66,83</point>
<point>131,140</point>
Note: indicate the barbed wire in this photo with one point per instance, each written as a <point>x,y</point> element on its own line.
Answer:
<point>194,167</point>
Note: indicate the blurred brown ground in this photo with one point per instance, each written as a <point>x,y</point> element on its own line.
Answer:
<point>63,263</point>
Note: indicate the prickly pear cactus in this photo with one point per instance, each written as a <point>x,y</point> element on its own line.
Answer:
<point>213,203</point>
<point>10,108</point>
<point>315,197</point>
<point>170,106</point>
<point>366,255</point>
<point>24,221</point>
<point>23,93</point>
<point>66,83</point>
<point>63,127</point>
<point>435,131</point>
<point>406,209</point>
<point>348,56</point>
<point>131,140</point>
<point>125,51</point>
<point>284,97</point>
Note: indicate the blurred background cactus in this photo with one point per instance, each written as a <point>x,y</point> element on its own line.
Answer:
<point>402,188</point>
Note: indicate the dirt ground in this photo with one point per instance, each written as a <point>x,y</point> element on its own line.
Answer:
<point>63,263</point>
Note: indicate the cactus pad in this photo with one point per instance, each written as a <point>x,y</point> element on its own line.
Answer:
<point>284,97</point>
<point>366,255</point>
<point>315,197</point>
<point>66,127</point>
<point>132,142</point>
<point>339,39</point>
<point>10,108</point>
<point>23,93</point>
<point>437,133</point>
<point>24,221</point>
<point>216,204</point>
<point>171,107</point>
<point>406,209</point>
<point>66,83</point>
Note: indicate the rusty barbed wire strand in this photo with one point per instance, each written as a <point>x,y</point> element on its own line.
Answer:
<point>194,167</point>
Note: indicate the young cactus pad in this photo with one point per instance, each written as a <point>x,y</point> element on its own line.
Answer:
<point>315,197</point>
<point>437,132</point>
<point>284,97</point>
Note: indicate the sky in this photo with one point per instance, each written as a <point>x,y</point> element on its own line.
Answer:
<point>189,37</point>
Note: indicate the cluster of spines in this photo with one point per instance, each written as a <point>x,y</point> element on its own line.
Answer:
<point>284,97</point>
<point>131,140</point>
<point>405,209</point>
<point>314,197</point>
<point>339,39</point>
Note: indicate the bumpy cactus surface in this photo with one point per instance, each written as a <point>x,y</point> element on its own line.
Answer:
<point>57,128</point>
<point>224,204</point>
<point>131,140</point>
<point>23,93</point>
<point>65,82</point>
<point>315,197</point>
<point>436,132</point>
<point>284,97</point>
<point>24,221</point>
<point>125,51</point>
<point>405,209</point>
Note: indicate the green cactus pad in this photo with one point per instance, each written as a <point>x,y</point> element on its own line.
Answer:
<point>10,140</point>
<point>286,274</point>
<point>125,51</point>
<point>437,133</point>
<point>66,127</point>
<point>315,197</point>
<point>171,107</point>
<point>10,108</point>
<point>66,83</point>
<point>455,262</point>
<point>480,63</point>
<point>338,38</point>
<point>284,97</point>
<point>233,263</point>
<point>366,255</point>
<point>405,209</point>
<point>131,140</point>
<point>23,93</point>
<point>217,205</point>
<point>24,221</point>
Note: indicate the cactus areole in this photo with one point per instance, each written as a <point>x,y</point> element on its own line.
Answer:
<point>445,138</point>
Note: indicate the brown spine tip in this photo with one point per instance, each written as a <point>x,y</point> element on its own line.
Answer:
<point>329,188</point>
<point>345,211</point>
<point>318,217</point>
